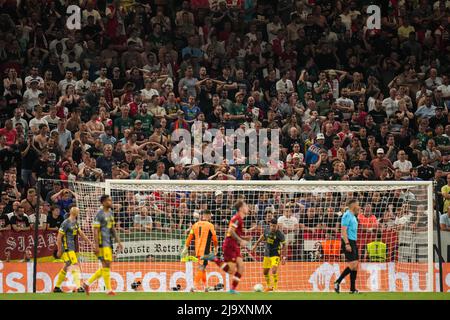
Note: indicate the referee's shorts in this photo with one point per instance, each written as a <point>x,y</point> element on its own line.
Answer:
<point>352,255</point>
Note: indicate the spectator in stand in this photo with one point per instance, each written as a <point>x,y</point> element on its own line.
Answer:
<point>402,164</point>
<point>444,220</point>
<point>118,85</point>
<point>19,220</point>
<point>54,219</point>
<point>380,162</point>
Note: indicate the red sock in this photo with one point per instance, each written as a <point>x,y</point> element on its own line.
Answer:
<point>222,265</point>
<point>236,278</point>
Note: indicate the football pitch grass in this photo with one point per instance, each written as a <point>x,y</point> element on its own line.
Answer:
<point>227,296</point>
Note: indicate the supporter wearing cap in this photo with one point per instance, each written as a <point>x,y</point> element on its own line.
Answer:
<point>312,155</point>
<point>380,162</point>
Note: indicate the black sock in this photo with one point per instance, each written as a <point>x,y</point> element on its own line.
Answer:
<point>353,280</point>
<point>343,275</point>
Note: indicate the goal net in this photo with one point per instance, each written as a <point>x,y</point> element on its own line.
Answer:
<point>154,218</point>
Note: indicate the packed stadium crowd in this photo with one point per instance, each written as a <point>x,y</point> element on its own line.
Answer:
<point>103,101</point>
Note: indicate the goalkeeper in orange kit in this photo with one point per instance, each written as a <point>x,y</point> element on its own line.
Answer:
<point>204,236</point>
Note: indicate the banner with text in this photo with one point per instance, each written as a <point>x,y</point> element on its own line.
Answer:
<point>14,245</point>
<point>161,277</point>
<point>150,248</point>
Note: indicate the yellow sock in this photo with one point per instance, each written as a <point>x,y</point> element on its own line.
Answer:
<point>107,277</point>
<point>95,276</point>
<point>267,276</point>
<point>275,280</point>
<point>61,277</point>
<point>76,277</point>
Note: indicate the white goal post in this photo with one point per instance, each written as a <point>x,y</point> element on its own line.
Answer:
<point>154,216</point>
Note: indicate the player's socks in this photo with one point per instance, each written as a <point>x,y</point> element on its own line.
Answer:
<point>275,281</point>
<point>353,274</point>
<point>236,278</point>
<point>107,278</point>
<point>267,277</point>
<point>343,275</point>
<point>221,264</point>
<point>76,277</point>
<point>198,279</point>
<point>61,276</point>
<point>204,279</point>
<point>95,277</point>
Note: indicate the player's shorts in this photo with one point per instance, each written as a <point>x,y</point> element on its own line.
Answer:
<point>270,262</point>
<point>353,255</point>
<point>105,254</point>
<point>69,257</point>
<point>231,251</point>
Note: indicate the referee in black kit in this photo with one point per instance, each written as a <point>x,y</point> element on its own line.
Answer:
<point>349,232</point>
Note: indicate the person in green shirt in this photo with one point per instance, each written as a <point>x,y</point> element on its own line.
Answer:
<point>303,86</point>
<point>138,173</point>
<point>376,251</point>
<point>146,118</point>
<point>123,122</point>
<point>238,108</point>
<point>441,140</point>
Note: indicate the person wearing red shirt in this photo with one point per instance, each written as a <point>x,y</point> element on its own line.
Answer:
<point>9,132</point>
<point>367,220</point>
<point>232,246</point>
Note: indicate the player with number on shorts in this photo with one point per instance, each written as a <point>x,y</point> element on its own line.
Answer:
<point>275,243</point>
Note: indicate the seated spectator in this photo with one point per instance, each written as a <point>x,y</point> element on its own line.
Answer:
<point>64,199</point>
<point>42,218</point>
<point>19,221</point>
<point>143,221</point>
<point>4,221</point>
<point>54,219</point>
<point>367,220</point>
<point>288,223</point>
<point>444,221</point>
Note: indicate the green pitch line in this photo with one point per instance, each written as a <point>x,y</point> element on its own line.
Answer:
<point>227,296</point>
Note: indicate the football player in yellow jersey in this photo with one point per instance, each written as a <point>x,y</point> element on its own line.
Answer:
<point>275,241</point>
<point>104,234</point>
<point>204,236</point>
<point>67,249</point>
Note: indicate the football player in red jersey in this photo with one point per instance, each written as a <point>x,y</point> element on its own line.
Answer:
<point>233,262</point>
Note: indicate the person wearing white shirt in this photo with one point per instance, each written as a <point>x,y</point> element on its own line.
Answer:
<point>390,103</point>
<point>52,119</point>
<point>402,164</point>
<point>101,80</point>
<point>34,76</point>
<point>284,85</point>
<point>159,174</point>
<point>37,120</point>
<point>82,86</point>
<point>433,81</point>
<point>273,28</point>
<point>18,119</point>
<point>62,85</point>
<point>445,88</point>
<point>288,223</point>
<point>31,96</point>
<point>148,92</point>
